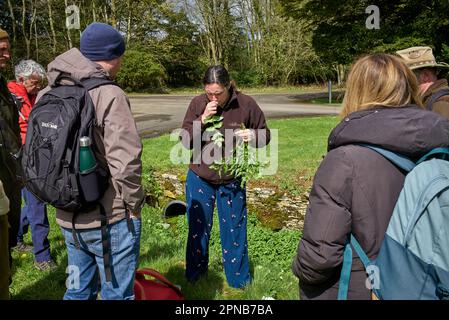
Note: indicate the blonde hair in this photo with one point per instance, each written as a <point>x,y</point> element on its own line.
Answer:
<point>380,80</point>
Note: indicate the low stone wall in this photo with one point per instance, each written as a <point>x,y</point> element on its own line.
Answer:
<point>276,211</point>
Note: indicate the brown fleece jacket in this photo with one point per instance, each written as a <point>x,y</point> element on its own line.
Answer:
<point>240,109</point>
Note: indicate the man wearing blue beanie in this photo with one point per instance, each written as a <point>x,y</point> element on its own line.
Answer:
<point>118,149</point>
<point>100,41</point>
<point>103,44</point>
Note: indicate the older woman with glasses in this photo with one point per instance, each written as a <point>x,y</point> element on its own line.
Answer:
<point>30,77</point>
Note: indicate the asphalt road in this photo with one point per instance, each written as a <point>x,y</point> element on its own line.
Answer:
<point>158,114</point>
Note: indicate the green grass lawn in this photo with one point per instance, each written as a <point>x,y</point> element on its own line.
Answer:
<point>302,144</point>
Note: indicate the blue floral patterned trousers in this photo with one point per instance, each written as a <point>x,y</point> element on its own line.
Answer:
<point>232,215</point>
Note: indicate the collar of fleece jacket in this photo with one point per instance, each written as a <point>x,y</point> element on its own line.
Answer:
<point>408,130</point>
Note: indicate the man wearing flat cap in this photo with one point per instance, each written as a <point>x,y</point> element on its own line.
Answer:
<point>10,185</point>
<point>434,91</point>
<point>117,148</point>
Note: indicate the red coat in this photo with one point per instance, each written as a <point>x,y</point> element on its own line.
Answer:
<point>28,103</point>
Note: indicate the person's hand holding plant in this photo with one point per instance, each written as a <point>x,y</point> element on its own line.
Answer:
<point>245,134</point>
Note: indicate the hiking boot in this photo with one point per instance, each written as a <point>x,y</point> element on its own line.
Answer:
<point>46,265</point>
<point>22,247</point>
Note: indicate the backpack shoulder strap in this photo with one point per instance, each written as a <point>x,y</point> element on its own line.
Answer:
<point>358,248</point>
<point>434,97</point>
<point>440,153</point>
<point>397,159</point>
<point>87,83</point>
<point>92,83</point>
<point>345,274</point>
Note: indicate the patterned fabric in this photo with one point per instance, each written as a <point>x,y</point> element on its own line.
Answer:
<point>232,215</point>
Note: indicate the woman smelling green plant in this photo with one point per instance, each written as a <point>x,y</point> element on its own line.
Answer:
<point>220,110</point>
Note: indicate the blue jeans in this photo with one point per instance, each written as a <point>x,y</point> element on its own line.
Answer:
<point>231,204</point>
<point>34,215</point>
<point>86,264</point>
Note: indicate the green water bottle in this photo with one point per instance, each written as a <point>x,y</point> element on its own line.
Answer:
<point>87,159</point>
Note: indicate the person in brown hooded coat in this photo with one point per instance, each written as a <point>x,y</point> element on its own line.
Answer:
<point>355,189</point>
<point>119,149</point>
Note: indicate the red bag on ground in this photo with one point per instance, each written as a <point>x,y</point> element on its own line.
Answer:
<point>159,289</point>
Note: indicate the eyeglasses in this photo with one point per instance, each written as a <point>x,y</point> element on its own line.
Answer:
<point>214,94</point>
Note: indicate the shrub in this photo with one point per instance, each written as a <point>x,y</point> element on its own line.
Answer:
<point>246,78</point>
<point>141,72</point>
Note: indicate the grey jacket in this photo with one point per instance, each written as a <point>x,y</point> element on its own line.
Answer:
<point>116,138</point>
<point>355,190</point>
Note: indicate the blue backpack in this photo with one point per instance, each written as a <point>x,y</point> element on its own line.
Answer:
<point>413,261</point>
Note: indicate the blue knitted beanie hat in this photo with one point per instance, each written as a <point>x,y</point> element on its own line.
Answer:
<point>100,41</point>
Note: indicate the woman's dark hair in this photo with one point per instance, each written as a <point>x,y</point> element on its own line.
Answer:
<point>217,74</point>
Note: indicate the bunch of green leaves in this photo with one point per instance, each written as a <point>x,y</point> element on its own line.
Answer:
<point>242,163</point>
<point>214,123</point>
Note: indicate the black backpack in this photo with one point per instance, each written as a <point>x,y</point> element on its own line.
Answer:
<point>50,158</point>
